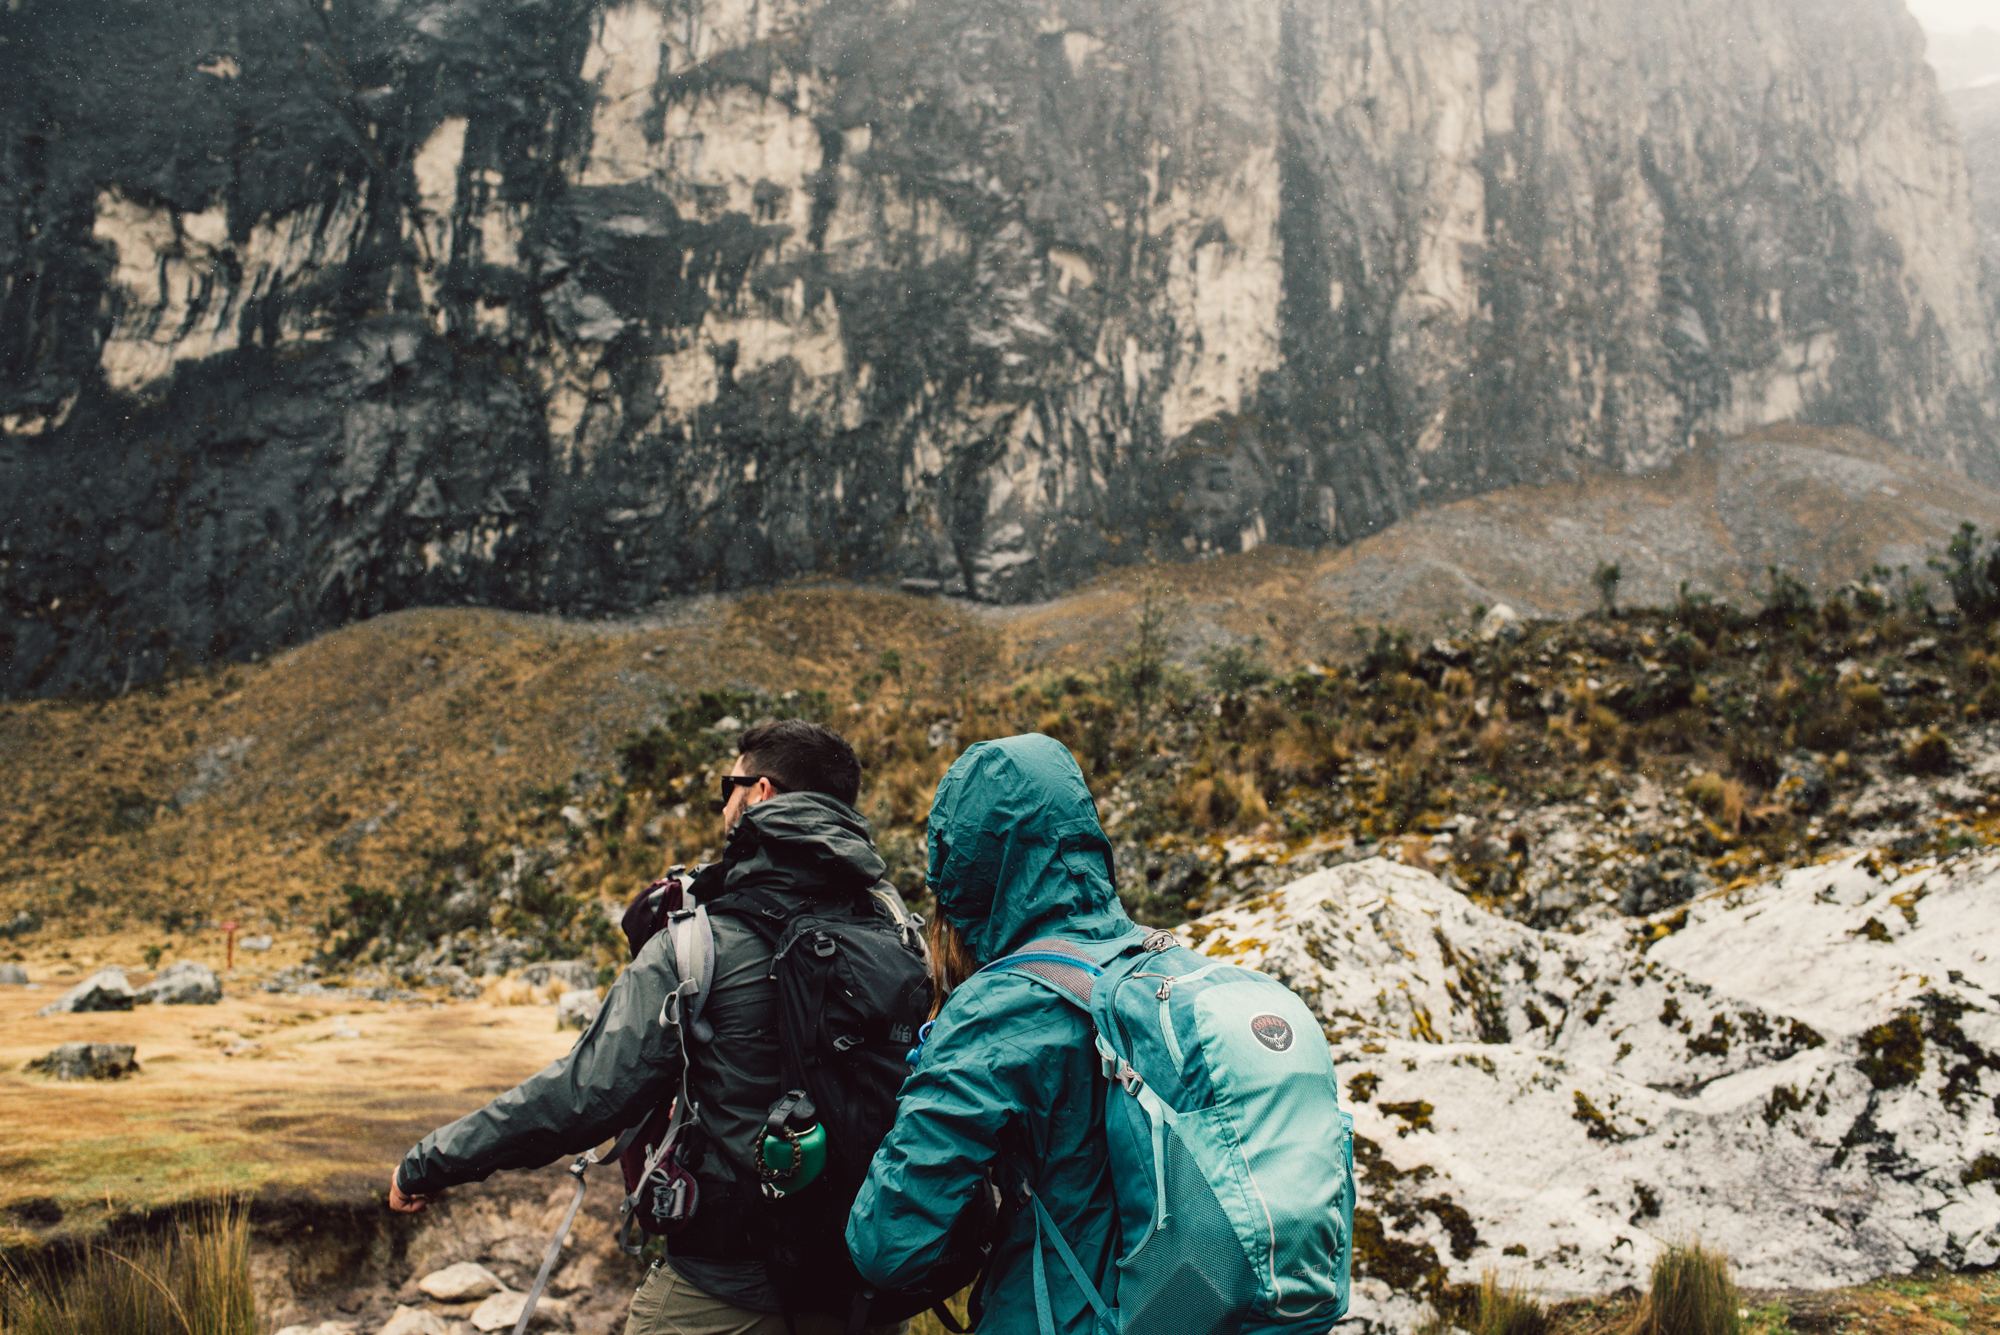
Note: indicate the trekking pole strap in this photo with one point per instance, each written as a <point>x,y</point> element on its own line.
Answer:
<point>562,1235</point>
<point>1043,1311</point>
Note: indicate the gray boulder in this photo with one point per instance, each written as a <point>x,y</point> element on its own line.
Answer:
<point>105,990</point>
<point>13,975</point>
<point>575,1010</point>
<point>183,983</point>
<point>1802,785</point>
<point>575,975</point>
<point>89,1061</point>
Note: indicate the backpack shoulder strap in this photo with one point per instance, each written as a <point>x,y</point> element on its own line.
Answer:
<point>911,925</point>
<point>1066,968</point>
<point>694,964</point>
<point>764,914</point>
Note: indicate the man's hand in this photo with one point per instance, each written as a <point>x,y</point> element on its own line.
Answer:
<point>400,1203</point>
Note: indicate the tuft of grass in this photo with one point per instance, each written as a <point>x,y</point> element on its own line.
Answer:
<point>1508,1309</point>
<point>1494,1308</point>
<point>1724,799</point>
<point>194,1282</point>
<point>1693,1293</point>
<point>1930,753</point>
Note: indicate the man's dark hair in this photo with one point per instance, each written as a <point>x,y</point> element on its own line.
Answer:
<point>804,757</point>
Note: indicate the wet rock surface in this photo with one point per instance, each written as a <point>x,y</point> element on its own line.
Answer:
<point>306,314</point>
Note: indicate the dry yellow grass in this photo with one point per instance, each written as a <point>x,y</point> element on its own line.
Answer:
<point>254,1094</point>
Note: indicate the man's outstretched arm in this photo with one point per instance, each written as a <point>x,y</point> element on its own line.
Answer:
<point>625,1064</point>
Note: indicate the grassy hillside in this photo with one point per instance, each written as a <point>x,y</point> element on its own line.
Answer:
<point>492,778</point>
<point>498,776</point>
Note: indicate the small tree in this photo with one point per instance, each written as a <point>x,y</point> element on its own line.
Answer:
<point>1787,600</point>
<point>1605,580</point>
<point>1972,574</point>
<point>1146,668</point>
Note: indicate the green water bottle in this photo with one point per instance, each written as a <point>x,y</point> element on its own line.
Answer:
<point>792,1151</point>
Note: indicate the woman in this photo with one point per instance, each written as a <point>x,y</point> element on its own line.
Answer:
<point>1009,1074</point>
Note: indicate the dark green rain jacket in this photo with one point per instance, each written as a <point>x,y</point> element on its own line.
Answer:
<point>1010,1070</point>
<point>798,847</point>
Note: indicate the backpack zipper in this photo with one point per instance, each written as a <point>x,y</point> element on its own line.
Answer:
<point>1167,1020</point>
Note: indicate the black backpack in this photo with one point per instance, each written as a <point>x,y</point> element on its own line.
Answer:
<point>854,986</point>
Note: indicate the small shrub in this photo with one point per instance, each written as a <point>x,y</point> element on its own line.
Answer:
<point>1870,705</point>
<point>1605,580</point>
<point>1235,668</point>
<point>1693,1293</point>
<point>1972,574</point>
<point>1756,761</point>
<point>1509,1309</point>
<point>1827,731</point>
<point>1931,753</point>
<point>1723,799</point>
<point>1388,656</point>
<point>1787,602</point>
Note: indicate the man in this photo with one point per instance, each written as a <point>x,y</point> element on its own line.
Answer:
<point>790,831</point>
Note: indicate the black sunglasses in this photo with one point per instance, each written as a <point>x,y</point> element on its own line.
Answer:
<point>731,782</point>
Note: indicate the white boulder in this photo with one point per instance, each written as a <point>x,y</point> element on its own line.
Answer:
<point>460,1283</point>
<point>105,990</point>
<point>575,1010</point>
<point>414,1321</point>
<point>574,975</point>
<point>183,983</point>
<point>503,1310</point>
<point>1501,622</point>
<point>1801,1072</point>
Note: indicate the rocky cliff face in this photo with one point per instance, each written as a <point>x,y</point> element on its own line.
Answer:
<point>316,308</point>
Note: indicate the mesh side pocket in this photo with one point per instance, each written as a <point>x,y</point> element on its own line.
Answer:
<point>1189,1278</point>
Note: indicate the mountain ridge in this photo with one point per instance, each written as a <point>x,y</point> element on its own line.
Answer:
<point>568,305</point>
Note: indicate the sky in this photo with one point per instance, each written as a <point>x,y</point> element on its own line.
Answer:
<point>1954,16</point>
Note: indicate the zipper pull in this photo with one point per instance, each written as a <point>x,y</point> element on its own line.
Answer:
<point>1166,990</point>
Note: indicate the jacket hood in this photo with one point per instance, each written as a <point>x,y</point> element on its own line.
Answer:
<point>802,843</point>
<point>1016,850</point>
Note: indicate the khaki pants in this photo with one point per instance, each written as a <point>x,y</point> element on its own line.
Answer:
<point>666,1304</point>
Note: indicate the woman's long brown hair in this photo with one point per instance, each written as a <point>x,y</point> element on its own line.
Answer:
<point>951,959</point>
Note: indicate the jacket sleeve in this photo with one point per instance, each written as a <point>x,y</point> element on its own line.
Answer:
<point>984,1072</point>
<point>625,1065</point>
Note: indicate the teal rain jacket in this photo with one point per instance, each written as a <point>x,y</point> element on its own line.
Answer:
<point>1009,1070</point>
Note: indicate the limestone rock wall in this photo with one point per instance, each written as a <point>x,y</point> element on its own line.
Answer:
<point>313,309</point>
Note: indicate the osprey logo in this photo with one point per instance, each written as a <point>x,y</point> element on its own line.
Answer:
<point>1272,1032</point>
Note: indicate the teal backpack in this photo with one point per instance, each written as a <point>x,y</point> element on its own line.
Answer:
<point>1231,1161</point>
